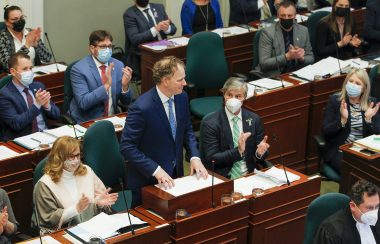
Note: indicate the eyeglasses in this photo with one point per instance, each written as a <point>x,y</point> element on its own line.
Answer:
<point>104,46</point>
<point>73,156</point>
<point>17,19</point>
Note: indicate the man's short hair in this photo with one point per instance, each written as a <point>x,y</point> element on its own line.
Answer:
<point>286,4</point>
<point>13,60</point>
<point>166,67</point>
<point>99,36</point>
<point>8,9</point>
<point>235,83</point>
<point>361,187</point>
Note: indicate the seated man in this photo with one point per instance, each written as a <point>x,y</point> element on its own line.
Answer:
<point>144,22</point>
<point>24,103</point>
<point>284,46</point>
<point>8,222</point>
<point>99,81</point>
<point>357,223</point>
<point>233,137</point>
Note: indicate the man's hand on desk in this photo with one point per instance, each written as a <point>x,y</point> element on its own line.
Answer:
<point>197,167</point>
<point>164,180</point>
<point>106,198</point>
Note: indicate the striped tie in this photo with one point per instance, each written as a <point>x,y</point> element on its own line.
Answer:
<point>173,125</point>
<point>236,171</point>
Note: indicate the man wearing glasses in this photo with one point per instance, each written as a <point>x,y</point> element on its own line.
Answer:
<point>16,38</point>
<point>99,81</point>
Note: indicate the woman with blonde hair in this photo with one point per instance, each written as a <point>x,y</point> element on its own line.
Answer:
<point>350,115</point>
<point>69,192</point>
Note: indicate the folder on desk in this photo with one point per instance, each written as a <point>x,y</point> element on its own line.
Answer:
<point>6,153</point>
<point>371,142</point>
<point>33,141</point>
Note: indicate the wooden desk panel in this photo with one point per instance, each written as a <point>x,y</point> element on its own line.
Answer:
<point>284,113</point>
<point>278,216</point>
<point>359,15</point>
<point>55,85</point>
<point>356,166</point>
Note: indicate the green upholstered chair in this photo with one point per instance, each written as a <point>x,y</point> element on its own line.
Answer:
<point>201,129</point>
<point>101,153</point>
<point>5,80</point>
<point>2,26</point>
<point>375,84</point>
<point>206,68</point>
<point>320,209</point>
<point>256,40</point>
<point>39,171</point>
<point>325,169</point>
<point>67,88</point>
<point>311,25</point>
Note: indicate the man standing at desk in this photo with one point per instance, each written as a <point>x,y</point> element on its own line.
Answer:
<point>233,137</point>
<point>284,46</point>
<point>357,223</point>
<point>144,22</point>
<point>99,81</point>
<point>157,128</point>
<point>24,103</point>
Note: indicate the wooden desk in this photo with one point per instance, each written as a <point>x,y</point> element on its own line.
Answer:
<point>278,216</point>
<point>356,166</point>
<point>16,179</point>
<point>156,232</point>
<point>238,50</point>
<point>284,113</point>
<point>223,224</point>
<point>54,84</point>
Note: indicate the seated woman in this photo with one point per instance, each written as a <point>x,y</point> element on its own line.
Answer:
<point>336,33</point>
<point>15,38</point>
<point>69,192</point>
<point>200,15</point>
<point>350,115</point>
<point>8,223</point>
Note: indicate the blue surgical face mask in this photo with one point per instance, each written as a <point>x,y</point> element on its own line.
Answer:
<point>26,78</point>
<point>104,55</point>
<point>353,90</point>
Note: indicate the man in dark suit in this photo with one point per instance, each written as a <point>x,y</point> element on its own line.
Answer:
<point>372,25</point>
<point>24,103</point>
<point>233,137</point>
<point>357,223</point>
<point>144,22</point>
<point>99,81</point>
<point>246,11</point>
<point>157,128</point>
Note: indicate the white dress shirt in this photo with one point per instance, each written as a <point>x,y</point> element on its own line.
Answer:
<point>19,44</point>
<point>365,232</point>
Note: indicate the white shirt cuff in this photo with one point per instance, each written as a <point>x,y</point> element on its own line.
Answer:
<point>123,92</point>
<point>153,31</point>
<point>195,158</point>
<point>168,30</point>
<point>68,213</point>
<point>260,4</point>
<point>155,172</point>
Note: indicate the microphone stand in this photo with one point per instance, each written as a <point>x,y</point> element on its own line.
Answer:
<point>52,52</point>
<point>337,54</point>
<point>212,184</point>
<point>126,204</point>
<point>38,223</point>
<point>281,159</point>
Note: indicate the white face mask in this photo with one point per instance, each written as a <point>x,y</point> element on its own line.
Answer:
<point>233,105</point>
<point>71,165</point>
<point>370,217</point>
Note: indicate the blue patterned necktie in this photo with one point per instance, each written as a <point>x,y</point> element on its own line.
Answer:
<point>172,122</point>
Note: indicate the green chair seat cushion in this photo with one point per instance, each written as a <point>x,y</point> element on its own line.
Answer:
<point>119,205</point>
<point>330,173</point>
<point>202,106</point>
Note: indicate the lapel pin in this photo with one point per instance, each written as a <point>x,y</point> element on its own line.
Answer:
<point>249,121</point>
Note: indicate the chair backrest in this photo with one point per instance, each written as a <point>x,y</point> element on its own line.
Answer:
<point>39,171</point>
<point>2,26</point>
<point>67,88</point>
<point>256,40</point>
<point>311,24</point>
<point>320,209</point>
<point>101,153</point>
<point>5,80</point>
<point>374,76</point>
<point>206,64</point>
<point>201,132</point>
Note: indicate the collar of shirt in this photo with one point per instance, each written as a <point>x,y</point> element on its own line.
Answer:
<point>142,9</point>
<point>20,88</point>
<point>24,32</point>
<point>162,96</point>
<point>97,63</point>
<point>365,232</point>
<point>231,115</point>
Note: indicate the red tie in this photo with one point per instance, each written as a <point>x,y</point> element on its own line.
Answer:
<point>104,80</point>
<point>29,99</point>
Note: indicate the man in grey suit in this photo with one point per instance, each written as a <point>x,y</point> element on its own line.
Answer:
<point>233,137</point>
<point>144,22</point>
<point>284,46</point>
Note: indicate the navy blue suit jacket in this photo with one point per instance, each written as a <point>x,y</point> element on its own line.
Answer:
<point>89,94</point>
<point>243,12</point>
<point>147,141</point>
<point>137,31</point>
<point>217,143</point>
<point>16,118</point>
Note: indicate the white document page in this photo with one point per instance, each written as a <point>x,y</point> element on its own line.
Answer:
<point>278,175</point>
<point>269,84</point>
<point>358,63</point>
<point>67,130</point>
<point>34,140</point>
<point>45,240</point>
<point>50,68</point>
<point>7,153</point>
<point>245,185</point>
<point>189,184</point>
<point>230,31</point>
<point>115,120</point>
<point>180,41</point>
<point>372,142</point>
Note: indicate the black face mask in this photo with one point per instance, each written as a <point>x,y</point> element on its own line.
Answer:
<point>142,3</point>
<point>342,12</point>
<point>19,25</point>
<point>286,23</point>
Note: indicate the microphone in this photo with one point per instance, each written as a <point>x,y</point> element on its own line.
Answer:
<point>52,53</point>
<point>38,223</point>
<point>212,183</point>
<point>126,204</point>
<point>281,158</point>
<point>337,54</point>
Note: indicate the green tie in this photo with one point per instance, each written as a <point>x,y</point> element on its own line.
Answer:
<point>236,168</point>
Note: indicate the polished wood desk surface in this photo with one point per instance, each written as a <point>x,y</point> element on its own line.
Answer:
<point>356,166</point>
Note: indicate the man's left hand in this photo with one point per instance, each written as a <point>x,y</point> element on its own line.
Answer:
<point>197,167</point>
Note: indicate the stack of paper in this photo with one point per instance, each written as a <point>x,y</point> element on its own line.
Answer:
<point>45,240</point>
<point>33,141</point>
<point>103,226</point>
<point>67,130</point>
<point>47,69</point>
<point>278,175</point>
<point>117,122</point>
<point>371,142</point>
<point>230,31</point>
<point>180,41</point>
<point>5,153</point>
<point>263,85</point>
